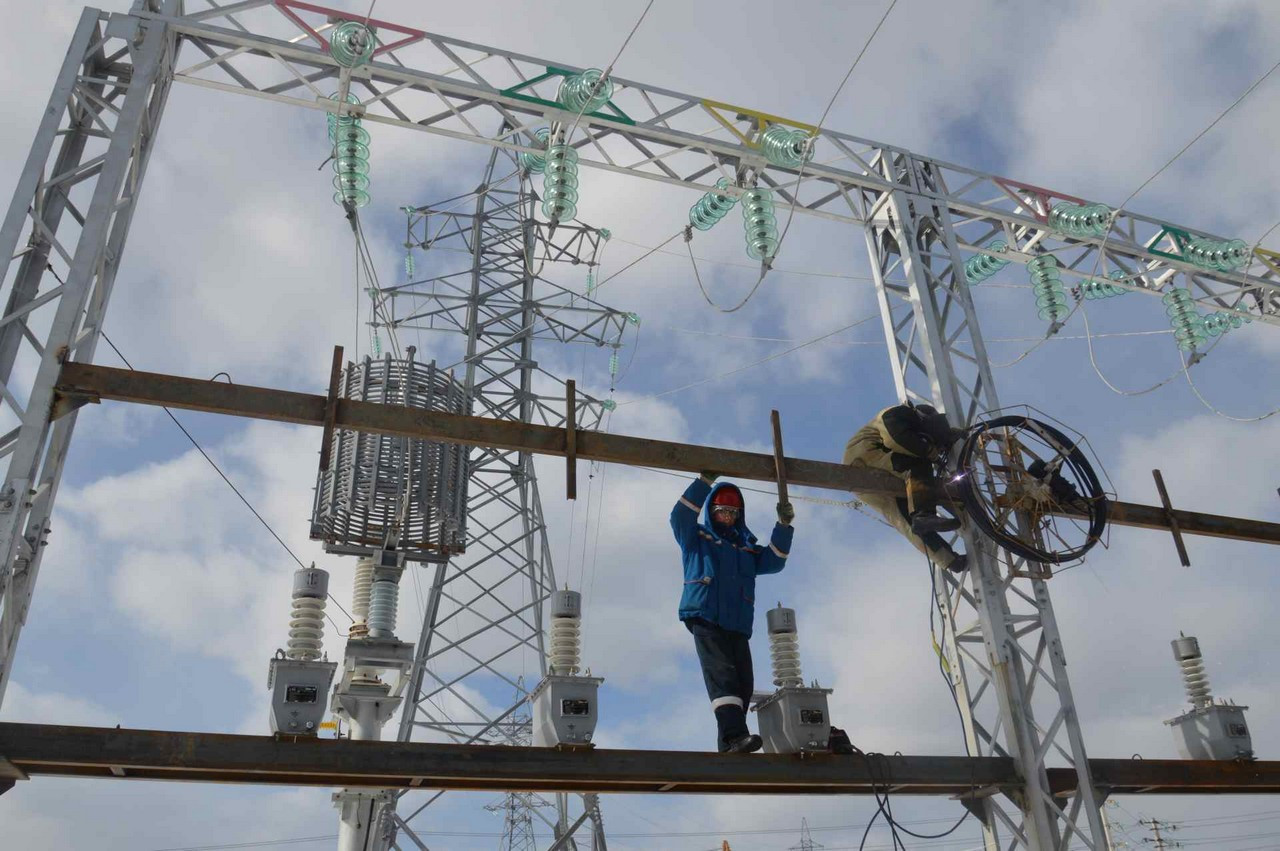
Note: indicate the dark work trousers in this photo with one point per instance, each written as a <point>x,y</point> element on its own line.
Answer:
<point>725,657</point>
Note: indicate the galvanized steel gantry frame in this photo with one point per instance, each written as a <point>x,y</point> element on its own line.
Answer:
<point>923,219</point>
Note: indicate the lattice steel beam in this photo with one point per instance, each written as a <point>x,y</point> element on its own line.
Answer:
<point>1000,637</point>
<point>75,200</point>
<point>452,88</point>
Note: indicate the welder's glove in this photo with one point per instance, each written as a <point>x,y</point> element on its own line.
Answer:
<point>786,513</point>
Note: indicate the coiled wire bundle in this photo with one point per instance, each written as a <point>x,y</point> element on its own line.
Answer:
<point>1046,282</point>
<point>708,210</point>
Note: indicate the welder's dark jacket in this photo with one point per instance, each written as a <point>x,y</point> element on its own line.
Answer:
<point>899,430</point>
<point>720,570</point>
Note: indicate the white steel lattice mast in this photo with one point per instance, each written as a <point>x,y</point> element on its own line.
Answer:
<point>932,229</point>
<point>484,613</point>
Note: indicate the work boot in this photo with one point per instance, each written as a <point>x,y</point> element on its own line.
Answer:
<point>731,723</point>
<point>749,743</point>
<point>923,522</point>
<point>959,564</point>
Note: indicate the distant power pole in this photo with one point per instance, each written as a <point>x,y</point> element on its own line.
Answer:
<point>806,841</point>
<point>1155,825</point>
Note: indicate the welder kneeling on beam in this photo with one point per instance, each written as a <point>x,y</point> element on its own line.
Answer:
<point>907,440</point>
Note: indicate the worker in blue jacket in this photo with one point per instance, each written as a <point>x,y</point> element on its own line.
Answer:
<point>721,562</point>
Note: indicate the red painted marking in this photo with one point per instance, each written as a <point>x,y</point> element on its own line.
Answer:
<point>1044,196</point>
<point>286,8</point>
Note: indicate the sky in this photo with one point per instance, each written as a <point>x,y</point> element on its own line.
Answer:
<point>161,598</point>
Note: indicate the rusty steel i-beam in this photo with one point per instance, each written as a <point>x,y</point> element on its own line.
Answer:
<point>33,750</point>
<point>80,384</point>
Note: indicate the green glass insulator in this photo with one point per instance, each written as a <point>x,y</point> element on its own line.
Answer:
<point>613,364</point>
<point>349,180</point>
<point>351,134</point>
<point>560,183</point>
<point>609,405</point>
<point>351,165</point>
<point>357,198</point>
<point>1098,288</point>
<point>1217,324</point>
<point>1080,219</point>
<point>980,267</point>
<point>633,318</point>
<point>1188,325</point>
<point>336,120</point>
<point>585,92</point>
<point>1221,255</point>
<point>352,44</point>
<point>351,150</point>
<point>1046,281</point>
<point>786,146</point>
<point>605,234</point>
<point>408,266</point>
<point>534,162</point>
<point>760,224</point>
<point>708,210</point>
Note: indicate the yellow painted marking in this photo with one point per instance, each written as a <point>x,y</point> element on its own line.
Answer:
<point>762,119</point>
<point>1271,259</point>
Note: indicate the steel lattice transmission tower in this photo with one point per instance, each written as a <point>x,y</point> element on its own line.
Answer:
<point>482,631</point>
<point>806,840</point>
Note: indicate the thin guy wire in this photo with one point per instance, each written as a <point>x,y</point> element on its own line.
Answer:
<point>608,70</point>
<point>1084,314</point>
<point>230,483</point>
<point>774,356</point>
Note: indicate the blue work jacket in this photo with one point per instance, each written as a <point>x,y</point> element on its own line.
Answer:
<point>720,571</point>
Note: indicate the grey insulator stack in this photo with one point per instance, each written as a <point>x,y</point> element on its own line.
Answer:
<point>566,627</point>
<point>784,647</point>
<point>382,608</point>
<point>306,621</point>
<point>1187,651</point>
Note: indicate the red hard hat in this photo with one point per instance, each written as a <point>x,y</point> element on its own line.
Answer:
<point>728,496</point>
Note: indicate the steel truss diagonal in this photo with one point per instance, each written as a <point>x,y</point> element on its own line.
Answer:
<point>483,632</point>
<point>452,88</point>
<point>64,235</point>
<point>1000,638</point>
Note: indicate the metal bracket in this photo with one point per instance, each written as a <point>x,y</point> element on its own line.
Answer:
<point>1173,520</point>
<point>571,440</point>
<point>331,409</point>
<point>779,462</point>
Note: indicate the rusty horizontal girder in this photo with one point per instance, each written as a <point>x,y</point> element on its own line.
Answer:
<point>34,750</point>
<point>81,383</point>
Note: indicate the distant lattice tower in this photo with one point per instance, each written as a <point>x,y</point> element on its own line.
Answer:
<point>806,841</point>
